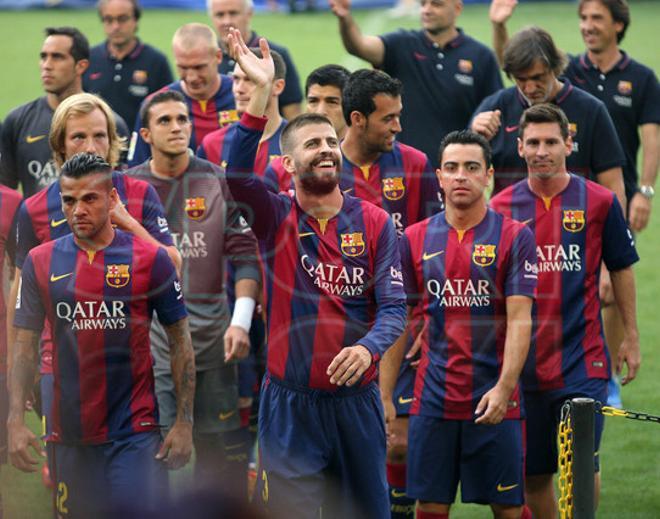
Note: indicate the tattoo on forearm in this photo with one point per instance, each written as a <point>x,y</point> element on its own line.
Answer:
<point>182,361</point>
<point>24,367</point>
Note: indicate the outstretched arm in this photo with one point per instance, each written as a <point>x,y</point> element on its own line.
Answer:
<point>499,13</point>
<point>369,48</point>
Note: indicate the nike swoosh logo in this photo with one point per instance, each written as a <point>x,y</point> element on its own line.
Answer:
<point>525,222</point>
<point>347,190</point>
<point>426,256</point>
<point>303,234</point>
<point>54,278</point>
<point>396,493</point>
<point>510,129</point>
<point>404,401</point>
<point>29,139</point>
<point>57,223</point>
<point>225,416</point>
<point>501,488</point>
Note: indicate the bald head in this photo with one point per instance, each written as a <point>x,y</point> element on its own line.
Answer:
<point>195,36</point>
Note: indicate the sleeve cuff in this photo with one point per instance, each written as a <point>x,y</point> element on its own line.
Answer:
<point>247,272</point>
<point>252,122</point>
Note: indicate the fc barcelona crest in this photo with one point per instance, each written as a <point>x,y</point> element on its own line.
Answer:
<point>573,220</point>
<point>572,129</point>
<point>352,244</point>
<point>483,255</point>
<point>195,207</point>
<point>117,276</point>
<point>465,66</point>
<point>140,77</point>
<point>226,117</point>
<point>625,88</point>
<point>393,188</point>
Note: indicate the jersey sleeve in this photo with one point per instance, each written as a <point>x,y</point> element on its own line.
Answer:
<point>240,243</point>
<point>8,170</point>
<point>607,150</point>
<point>522,276</point>
<point>153,217</point>
<point>413,295</point>
<point>166,297</point>
<point>30,311</point>
<point>491,79</point>
<point>262,209</point>
<point>10,243</point>
<point>618,243</point>
<point>391,41</point>
<point>390,318</point>
<point>26,239</point>
<point>650,109</point>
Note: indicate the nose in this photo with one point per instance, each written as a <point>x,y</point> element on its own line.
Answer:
<point>396,125</point>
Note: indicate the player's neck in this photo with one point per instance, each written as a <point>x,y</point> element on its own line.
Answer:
<point>274,120</point>
<point>556,88</point>
<point>54,99</point>
<point>356,150</point>
<point>99,241</point>
<point>606,60</point>
<point>444,37</point>
<point>119,52</point>
<point>548,187</point>
<point>320,206</point>
<point>464,219</point>
<point>168,166</point>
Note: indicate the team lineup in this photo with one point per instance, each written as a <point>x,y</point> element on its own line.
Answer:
<point>324,308</point>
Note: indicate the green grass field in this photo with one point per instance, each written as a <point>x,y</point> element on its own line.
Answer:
<point>630,454</point>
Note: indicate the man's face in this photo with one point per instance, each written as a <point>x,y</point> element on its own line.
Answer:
<point>326,100</point>
<point>59,70</point>
<point>597,27</point>
<point>315,160</point>
<point>198,69</point>
<point>536,83</point>
<point>226,14</point>
<point>463,175</point>
<point>242,88</point>
<point>86,203</point>
<point>87,133</point>
<point>439,15</point>
<point>119,23</point>
<point>544,149</point>
<point>382,125</point>
<point>169,128</point>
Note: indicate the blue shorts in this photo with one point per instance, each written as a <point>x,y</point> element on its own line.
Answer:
<point>47,388</point>
<point>488,460</point>
<point>110,479</point>
<point>323,451</point>
<point>405,386</point>
<point>543,410</point>
<point>4,414</point>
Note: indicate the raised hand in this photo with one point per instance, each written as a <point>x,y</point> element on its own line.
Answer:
<point>260,70</point>
<point>341,8</point>
<point>501,10</point>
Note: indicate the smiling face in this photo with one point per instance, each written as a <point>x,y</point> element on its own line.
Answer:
<point>198,69</point>
<point>597,27</point>
<point>463,175</point>
<point>380,128</point>
<point>437,16</point>
<point>315,160</point>
<point>544,149</point>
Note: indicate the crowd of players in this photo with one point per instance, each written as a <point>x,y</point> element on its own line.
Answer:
<point>338,280</point>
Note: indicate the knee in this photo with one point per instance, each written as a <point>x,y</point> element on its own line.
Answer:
<point>538,484</point>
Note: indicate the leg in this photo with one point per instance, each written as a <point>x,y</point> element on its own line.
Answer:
<point>540,495</point>
<point>506,511</point>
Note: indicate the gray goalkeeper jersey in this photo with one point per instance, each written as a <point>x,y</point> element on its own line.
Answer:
<point>207,229</point>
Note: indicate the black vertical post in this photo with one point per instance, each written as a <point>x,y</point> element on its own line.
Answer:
<point>582,410</point>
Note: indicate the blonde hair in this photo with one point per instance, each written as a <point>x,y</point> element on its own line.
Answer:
<point>190,35</point>
<point>75,106</point>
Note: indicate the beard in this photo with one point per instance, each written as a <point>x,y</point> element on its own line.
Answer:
<point>318,184</point>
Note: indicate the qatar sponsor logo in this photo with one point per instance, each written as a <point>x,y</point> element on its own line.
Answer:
<point>190,245</point>
<point>557,258</point>
<point>337,280</point>
<point>456,293</point>
<point>93,315</point>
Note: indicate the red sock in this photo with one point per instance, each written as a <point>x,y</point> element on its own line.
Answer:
<point>396,475</point>
<point>244,413</point>
<point>526,513</point>
<point>431,515</point>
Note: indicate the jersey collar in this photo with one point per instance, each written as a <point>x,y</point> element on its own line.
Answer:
<point>561,96</point>
<point>452,44</point>
<point>137,50</point>
<point>586,63</point>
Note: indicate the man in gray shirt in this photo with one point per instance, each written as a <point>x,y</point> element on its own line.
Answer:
<point>207,229</point>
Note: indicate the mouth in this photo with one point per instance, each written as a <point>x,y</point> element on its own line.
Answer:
<point>325,165</point>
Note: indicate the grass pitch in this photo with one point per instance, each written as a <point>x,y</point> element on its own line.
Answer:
<point>630,453</point>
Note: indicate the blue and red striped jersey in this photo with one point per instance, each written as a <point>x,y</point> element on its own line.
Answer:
<point>100,308</point>
<point>401,181</point>
<point>10,201</point>
<point>575,230</point>
<point>462,280</point>
<point>40,220</point>
<point>206,117</point>
<point>330,283</point>
<point>277,178</point>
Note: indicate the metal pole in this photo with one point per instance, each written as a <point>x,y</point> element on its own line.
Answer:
<point>583,458</point>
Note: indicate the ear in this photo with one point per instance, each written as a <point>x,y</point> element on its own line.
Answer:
<point>569,145</point>
<point>489,173</point>
<point>438,174</point>
<point>145,133</point>
<point>357,119</point>
<point>278,87</point>
<point>287,163</point>
<point>82,66</point>
<point>520,148</point>
<point>114,198</point>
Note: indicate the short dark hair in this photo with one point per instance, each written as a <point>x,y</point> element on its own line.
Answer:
<point>137,10</point>
<point>361,88</point>
<point>278,61</point>
<point>300,121</point>
<point>528,46</point>
<point>466,137</point>
<point>79,43</point>
<point>619,10</point>
<point>83,164</point>
<point>333,75</point>
<point>544,113</point>
<point>156,99</point>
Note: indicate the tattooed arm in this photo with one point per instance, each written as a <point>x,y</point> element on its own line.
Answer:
<point>177,446</point>
<point>24,367</point>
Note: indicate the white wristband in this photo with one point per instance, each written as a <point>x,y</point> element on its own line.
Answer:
<point>243,310</point>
